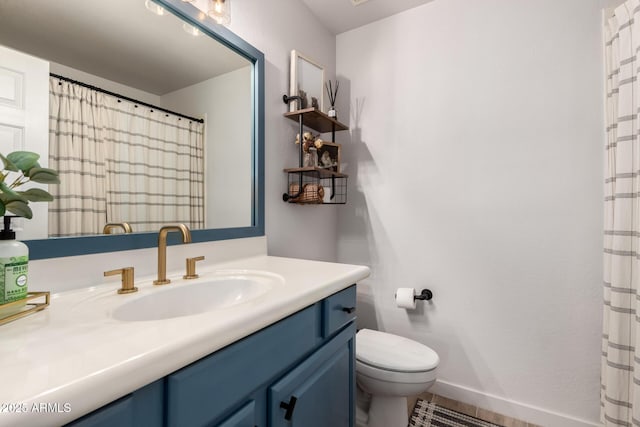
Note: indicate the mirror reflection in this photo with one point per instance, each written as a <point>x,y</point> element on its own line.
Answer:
<point>147,120</point>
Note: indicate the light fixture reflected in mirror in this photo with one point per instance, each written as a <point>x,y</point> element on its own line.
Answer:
<point>190,29</point>
<point>220,11</point>
<point>154,7</point>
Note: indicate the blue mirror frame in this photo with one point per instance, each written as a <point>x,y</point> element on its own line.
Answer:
<point>69,246</point>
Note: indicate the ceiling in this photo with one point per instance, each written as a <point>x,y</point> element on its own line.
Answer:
<point>341,15</point>
<point>149,52</point>
<point>137,48</point>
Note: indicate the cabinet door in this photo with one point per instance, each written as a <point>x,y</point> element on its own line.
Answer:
<point>320,391</point>
<point>202,393</point>
<point>142,408</point>
<point>244,417</point>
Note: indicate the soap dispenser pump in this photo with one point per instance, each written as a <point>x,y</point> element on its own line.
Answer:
<point>14,262</point>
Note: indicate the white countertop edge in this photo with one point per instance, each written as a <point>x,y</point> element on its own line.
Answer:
<point>121,378</point>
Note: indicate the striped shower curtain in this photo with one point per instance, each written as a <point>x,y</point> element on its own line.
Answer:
<point>155,168</point>
<point>620,372</point>
<point>121,162</point>
<point>77,121</point>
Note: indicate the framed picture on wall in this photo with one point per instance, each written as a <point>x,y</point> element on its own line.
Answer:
<point>307,82</point>
<point>329,156</point>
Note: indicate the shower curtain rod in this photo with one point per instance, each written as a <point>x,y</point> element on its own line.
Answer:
<point>117,95</point>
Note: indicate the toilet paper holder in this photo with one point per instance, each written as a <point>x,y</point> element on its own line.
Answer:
<point>425,295</point>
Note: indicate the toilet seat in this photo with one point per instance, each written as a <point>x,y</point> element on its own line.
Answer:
<point>388,376</point>
<point>379,351</point>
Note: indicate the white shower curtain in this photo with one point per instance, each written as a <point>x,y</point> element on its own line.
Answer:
<point>620,372</point>
<point>155,168</point>
<point>121,162</point>
<point>77,120</point>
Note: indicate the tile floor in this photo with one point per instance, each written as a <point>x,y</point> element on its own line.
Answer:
<point>467,409</point>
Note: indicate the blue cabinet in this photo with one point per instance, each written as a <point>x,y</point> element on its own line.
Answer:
<point>299,372</point>
<point>142,408</point>
<point>244,417</point>
<point>318,392</point>
<point>205,391</point>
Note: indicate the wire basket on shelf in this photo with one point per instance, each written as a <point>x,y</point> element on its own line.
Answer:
<point>312,185</point>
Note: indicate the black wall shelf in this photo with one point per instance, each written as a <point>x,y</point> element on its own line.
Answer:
<point>315,185</point>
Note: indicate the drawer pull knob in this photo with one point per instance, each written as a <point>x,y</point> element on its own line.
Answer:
<point>289,407</point>
<point>348,309</point>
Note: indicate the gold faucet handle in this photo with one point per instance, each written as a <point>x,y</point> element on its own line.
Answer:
<point>127,279</point>
<point>191,267</point>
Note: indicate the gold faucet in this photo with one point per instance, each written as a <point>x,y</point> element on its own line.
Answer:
<point>112,225</point>
<point>127,279</point>
<point>162,249</point>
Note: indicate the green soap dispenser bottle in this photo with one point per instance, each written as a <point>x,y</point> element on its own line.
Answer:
<point>14,263</point>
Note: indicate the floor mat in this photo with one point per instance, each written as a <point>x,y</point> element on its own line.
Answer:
<point>426,414</point>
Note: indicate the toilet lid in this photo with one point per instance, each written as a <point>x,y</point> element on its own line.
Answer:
<point>394,353</point>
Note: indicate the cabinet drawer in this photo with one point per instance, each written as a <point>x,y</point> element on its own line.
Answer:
<point>338,310</point>
<point>204,391</point>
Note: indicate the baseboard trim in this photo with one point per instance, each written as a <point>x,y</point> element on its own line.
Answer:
<point>510,408</point>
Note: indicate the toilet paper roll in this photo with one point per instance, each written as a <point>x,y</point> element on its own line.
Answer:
<point>405,299</point>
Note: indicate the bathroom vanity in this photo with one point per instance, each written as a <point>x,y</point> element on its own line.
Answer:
<point>297,372</point>
<point>282,358</point>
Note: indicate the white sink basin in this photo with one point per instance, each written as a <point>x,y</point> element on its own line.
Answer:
<point>189,297</point>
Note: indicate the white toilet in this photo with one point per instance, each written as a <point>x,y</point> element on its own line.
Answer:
<point>390,368</point>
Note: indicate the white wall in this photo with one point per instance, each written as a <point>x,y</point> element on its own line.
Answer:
<point>224,101</point>
<point>275,27</point>
<point>476,159</point>
<point>612,4</point>
<point>105,84</point>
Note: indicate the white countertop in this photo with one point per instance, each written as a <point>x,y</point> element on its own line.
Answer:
<point>75,355</point>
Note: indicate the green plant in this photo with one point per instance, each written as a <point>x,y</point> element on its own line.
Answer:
<point>23,167</point>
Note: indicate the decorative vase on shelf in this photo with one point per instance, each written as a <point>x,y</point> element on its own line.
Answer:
<point>333,93</point>
<point>311,158</point>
